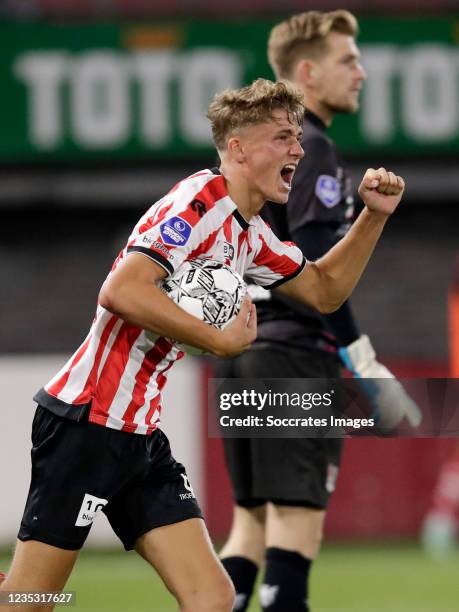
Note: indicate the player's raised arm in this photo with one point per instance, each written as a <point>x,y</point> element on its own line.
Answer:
<point>326,283</point>
<point>132,293</point>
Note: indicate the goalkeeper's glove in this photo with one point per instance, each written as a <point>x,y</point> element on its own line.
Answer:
<point>389,400</point>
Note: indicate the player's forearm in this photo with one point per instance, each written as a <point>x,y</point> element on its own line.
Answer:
<point>144,305</point>
<point>341,268</point>
<point>342,324</point>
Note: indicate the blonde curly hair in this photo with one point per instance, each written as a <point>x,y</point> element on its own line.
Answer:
<point>236,108</point>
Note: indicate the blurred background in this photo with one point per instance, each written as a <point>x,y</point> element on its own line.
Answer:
<point>102,110</point>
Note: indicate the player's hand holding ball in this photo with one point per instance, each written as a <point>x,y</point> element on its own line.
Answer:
<point>214,293</point>
<point>381,190</point>
<point>241,331</point>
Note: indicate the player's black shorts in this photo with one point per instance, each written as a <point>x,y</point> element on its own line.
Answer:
<point>293,471</point>
<point>80,468</point>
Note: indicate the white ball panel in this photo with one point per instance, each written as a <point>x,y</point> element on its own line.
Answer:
<point>223,279</point>
<point>192,305</point>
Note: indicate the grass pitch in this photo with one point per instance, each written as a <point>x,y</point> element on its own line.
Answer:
<point>346,578</point>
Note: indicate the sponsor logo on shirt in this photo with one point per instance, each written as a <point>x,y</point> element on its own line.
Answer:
<point>175,231</point>
<point>158,246</point>
<point>90,506</point>
<point>328,190</point>
<point>147,239</point>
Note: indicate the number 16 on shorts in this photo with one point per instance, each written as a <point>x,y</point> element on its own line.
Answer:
<point>89,508</point>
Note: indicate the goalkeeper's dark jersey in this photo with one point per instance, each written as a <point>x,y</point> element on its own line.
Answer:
<point>319,211</point>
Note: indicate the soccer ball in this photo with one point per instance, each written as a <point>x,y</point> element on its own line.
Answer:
<point>208,290</point>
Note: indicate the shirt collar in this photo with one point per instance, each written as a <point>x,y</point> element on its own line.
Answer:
<point>236,214</point>
<point>314,119</point>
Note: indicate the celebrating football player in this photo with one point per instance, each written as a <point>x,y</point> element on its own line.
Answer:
<point>97,446</point>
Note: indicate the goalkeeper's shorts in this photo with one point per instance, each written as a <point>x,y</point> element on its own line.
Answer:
<point>290,471</point>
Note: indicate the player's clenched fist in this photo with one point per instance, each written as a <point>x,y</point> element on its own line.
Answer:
<point>381,190</point>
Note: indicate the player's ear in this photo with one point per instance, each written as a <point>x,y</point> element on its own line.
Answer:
<point>305,72</point>
<point>235,149</point>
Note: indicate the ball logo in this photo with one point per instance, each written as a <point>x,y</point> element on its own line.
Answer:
<point>328,190</point>
<point>175,231</point>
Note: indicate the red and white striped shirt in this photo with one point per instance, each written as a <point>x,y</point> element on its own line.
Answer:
<point>120,370</point>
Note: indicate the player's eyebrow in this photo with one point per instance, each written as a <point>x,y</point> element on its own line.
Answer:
<point>351,56</point>
<point>290,132</point>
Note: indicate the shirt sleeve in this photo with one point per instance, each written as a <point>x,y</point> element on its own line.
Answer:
<point>275,262</point>
<point>178,228</point>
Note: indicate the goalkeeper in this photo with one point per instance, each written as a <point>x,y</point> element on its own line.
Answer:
<point>282,487</point>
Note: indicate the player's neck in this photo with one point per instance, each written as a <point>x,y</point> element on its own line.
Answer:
<point>320,111</point>
<point>249,201</point>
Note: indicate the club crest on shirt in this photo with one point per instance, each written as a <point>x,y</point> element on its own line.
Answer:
<point>228,251</point>
<point>328,190</point>
<point>175,231</point>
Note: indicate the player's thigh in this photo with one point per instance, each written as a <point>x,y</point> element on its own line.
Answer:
<point>247,535</point>
<point>39,567</point>
<point>162,496</point>
<point>73,475</point>
<point>295,528</point>
<point>183,555</point>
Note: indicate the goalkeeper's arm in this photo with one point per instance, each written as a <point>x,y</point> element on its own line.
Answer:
<point>389,400</point>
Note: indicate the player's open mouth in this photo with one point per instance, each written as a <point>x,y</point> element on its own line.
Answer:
<point>287,173</point>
